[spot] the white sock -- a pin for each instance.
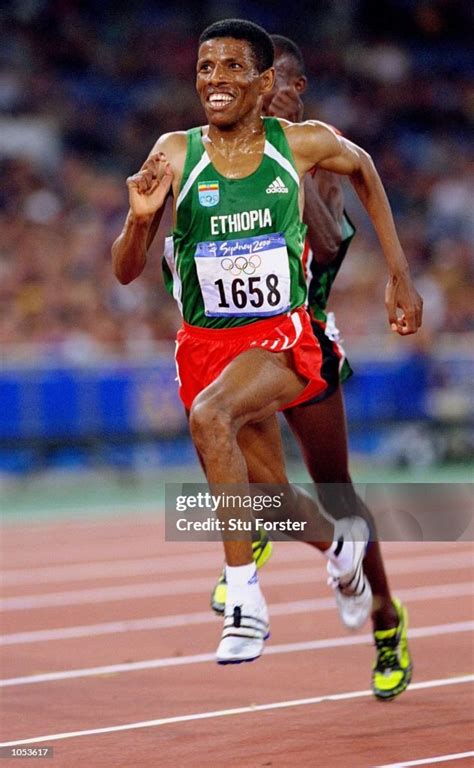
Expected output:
(242, 583)
(239, 575)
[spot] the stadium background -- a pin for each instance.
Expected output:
(87, 375)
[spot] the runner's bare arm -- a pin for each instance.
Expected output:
(315, 143)
(323, 210)
(323, 200)
(148, 191)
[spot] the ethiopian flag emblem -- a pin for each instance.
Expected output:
(208, 193)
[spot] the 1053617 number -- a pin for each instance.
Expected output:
(22, 752)
(249, 292)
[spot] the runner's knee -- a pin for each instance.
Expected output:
(210, 424)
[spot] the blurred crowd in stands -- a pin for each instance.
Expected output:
(87, 87)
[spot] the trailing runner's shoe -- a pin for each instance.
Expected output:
(352, 589)
(393, 668)
(245, 630)
(261, 550)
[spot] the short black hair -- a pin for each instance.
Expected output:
(240, 29)
(285, 45)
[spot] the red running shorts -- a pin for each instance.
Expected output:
(203, 353)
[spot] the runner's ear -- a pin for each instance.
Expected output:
(301, 83)
(267, 80)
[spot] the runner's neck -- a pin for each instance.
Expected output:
(238, 153)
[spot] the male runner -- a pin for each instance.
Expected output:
(320, 425)
(246, 348)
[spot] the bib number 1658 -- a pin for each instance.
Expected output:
(249, 292)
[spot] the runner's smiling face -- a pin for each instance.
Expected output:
(228, 81)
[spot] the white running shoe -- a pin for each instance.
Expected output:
(246, 627)
(352, 590)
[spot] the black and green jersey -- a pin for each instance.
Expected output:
(237, 243)
(321, 276)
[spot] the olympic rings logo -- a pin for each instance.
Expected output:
(241, 264)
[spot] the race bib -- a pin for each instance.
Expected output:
(244, 278)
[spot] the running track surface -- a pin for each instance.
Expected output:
(104, 625)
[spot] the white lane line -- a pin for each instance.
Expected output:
(236, 711)
(73, 560)
(433, 592)
(436, 563)
(430, 760)
(160, 564)
(86, 570)
(178, 661)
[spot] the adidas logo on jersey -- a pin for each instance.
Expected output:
(277, 186)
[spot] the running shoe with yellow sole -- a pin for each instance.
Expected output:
(262, 550)
(393, 667)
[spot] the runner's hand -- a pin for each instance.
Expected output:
(401, 294)
(148, 189)
(287, 104)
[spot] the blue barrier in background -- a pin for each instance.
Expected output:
(120, 399)
(393, 390)
(75, 402)
(124, 412)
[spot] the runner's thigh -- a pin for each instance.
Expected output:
(321, 430)
(254, 385)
